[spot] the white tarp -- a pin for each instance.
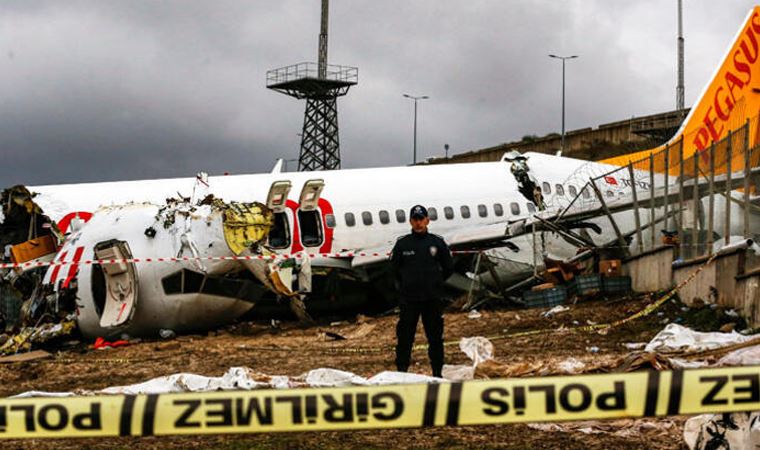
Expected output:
(723, 431)
(677, 338)
(478, 349)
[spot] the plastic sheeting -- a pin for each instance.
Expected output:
(676, 338)
(723, 431)
(478, 349)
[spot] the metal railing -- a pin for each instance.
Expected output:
(664, 191)
(303, 70)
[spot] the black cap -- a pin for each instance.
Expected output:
(418, 212)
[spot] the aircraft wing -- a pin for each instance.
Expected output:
(470, 238)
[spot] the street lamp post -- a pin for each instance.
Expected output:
(415, 98)
(563, 58)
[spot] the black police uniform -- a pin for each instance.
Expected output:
(421, 263)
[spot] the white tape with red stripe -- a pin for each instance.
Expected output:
(76, 261)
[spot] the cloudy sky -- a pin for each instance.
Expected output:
(125, 89)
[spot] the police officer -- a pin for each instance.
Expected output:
(421, 262)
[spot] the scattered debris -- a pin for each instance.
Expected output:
(23, 340)
(676, 338)
(102, 344)
(166, 333)
(28, 356)
(723, 431)
(556, 310)
(622, 427)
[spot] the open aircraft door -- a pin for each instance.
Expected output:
(120, 283)
(309, 219)
(279, 234)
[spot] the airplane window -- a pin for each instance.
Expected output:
(465, 211)
(586, 193)
(400, 216)
(448, 212)
(311, 228)
(560, 189)
(279, 234)
(432, 213)
(573, 191)
(498, 209)
(546, 187)
(330, 220)
(350, 219)
(385, 218)
(531, 207)
(482, 211)
(367, 218)
(515, 208)
(188, 281)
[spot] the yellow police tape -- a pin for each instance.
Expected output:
(581, 397)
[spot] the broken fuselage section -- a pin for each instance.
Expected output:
(200, 266)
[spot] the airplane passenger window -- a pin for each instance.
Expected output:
(531, 207)
(385, 218)
(367, 218)
(400, 216)
(432, 213)
(350, 219)
(279, 234)
(515, 208)
(330, 220)
(560, 189)
(482, 211)
(465, 211)
(586, 193)
(498, 209)
(448, 212)
(573, 191)
(546, 187)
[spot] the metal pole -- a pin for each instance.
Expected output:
(667, 182)
(562, 142)
(415, 132)
(729, 156)
(746, 180)
(562, 138)
(322, 64)
(415, 98)
(651, 200)
(619, 235)
(711, 193)
(695, 223)
(680, 87)
(679, 225)
(636, 208)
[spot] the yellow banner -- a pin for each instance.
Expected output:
(582, 397)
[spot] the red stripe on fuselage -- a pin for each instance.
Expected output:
(64, 223)
(74, 267)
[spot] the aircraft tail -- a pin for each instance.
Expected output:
(726, 104)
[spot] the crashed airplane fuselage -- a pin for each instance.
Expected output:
(348, 220)
(345, 221)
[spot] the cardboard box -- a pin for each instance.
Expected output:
(542, 287)
(33, 249)
(610, 268)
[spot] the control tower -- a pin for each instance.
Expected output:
(320, 85)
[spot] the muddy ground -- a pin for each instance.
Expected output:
(290, 349)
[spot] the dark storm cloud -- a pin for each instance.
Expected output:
(105, 90)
